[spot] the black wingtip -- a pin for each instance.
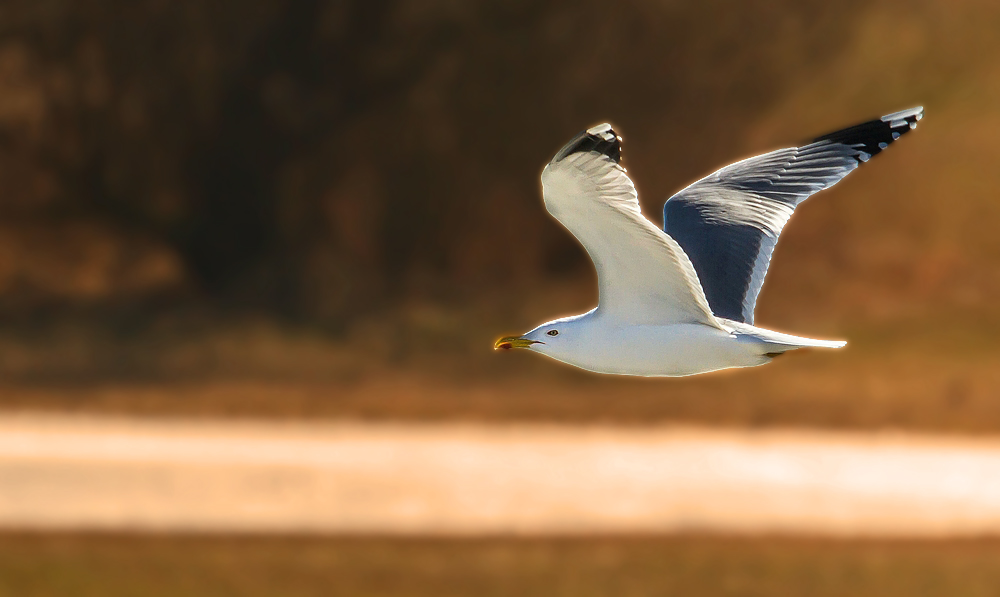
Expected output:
(600, 139)
(870, 138)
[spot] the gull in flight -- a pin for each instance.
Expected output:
(680, 301)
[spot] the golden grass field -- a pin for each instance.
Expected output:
(912, 375)
(113, 565)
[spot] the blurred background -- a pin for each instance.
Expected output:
(328, 210)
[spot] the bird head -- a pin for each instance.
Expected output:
(547, 338)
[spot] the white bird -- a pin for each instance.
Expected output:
(680, 301)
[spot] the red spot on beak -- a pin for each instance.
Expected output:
(504, 346)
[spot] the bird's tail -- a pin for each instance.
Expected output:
(773, 343)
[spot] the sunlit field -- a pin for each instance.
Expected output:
(112, 565)
(921, 376)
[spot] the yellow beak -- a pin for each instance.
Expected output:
(508, 342)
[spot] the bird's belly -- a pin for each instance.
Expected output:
(668, 350)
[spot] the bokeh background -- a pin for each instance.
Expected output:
(330, 209)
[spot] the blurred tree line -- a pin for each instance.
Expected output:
(310, 158)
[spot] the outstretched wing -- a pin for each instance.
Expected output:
(728, 223)
(643, 275)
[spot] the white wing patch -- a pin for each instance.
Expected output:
(644, 277)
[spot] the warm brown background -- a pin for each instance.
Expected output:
(332, 208)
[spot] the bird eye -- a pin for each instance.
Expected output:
(552, 333)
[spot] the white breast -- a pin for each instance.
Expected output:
(603, 346)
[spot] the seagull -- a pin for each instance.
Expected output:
(680, 301)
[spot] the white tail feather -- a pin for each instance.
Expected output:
(776, 342)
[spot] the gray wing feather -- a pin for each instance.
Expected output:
(728, 223)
